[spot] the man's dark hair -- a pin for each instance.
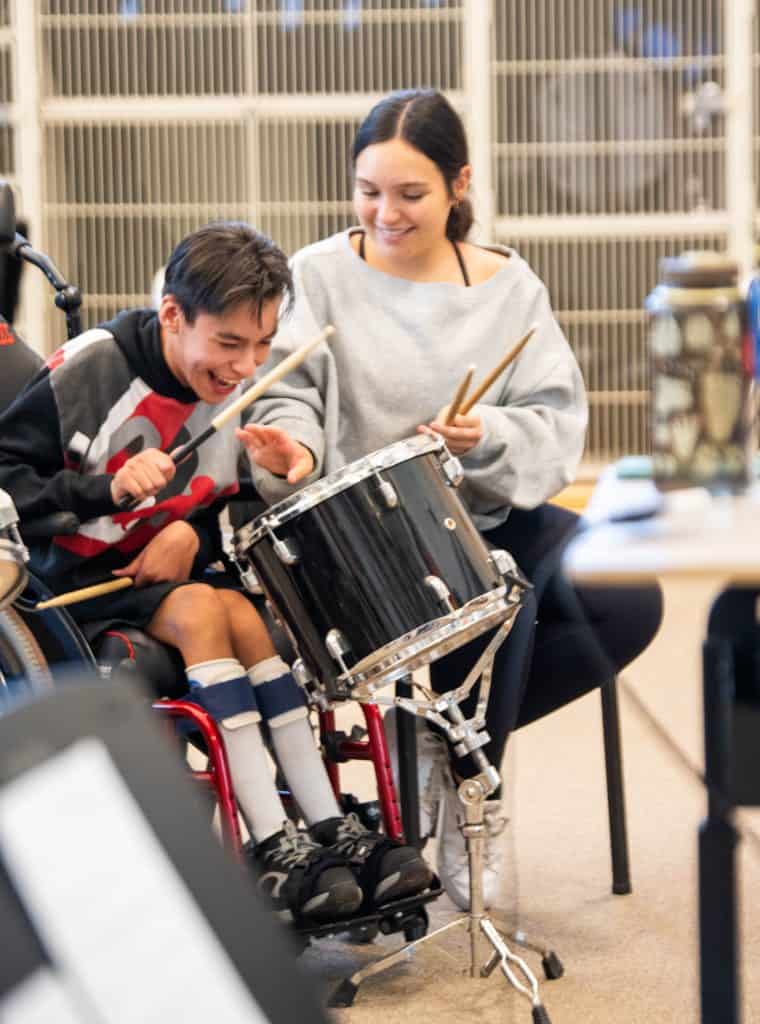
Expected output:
(224, 265)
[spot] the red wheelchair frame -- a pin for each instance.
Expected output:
(217, 774)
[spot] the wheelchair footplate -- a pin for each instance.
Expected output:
(407, 915)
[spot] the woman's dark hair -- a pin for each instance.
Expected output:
(426, 120)
(223, 265)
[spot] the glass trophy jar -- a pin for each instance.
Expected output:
(702, 368)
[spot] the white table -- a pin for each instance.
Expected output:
(695, 536)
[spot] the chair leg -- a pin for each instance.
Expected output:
(409, 796)
(613, 760)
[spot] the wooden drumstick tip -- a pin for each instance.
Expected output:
(85, 593)
(458, 398)
(497, 371)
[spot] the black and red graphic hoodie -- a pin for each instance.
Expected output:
(101, 398)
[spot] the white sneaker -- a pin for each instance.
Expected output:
(453, 867)
(432, 766)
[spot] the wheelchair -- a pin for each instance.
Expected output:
(35, 645)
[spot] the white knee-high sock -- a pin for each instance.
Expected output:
(250, 767)
(283, 706)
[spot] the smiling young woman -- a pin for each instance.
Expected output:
(414, 303)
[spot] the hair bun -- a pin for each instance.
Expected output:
(461, 219)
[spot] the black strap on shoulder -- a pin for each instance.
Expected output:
(460, 258)
(462, 267)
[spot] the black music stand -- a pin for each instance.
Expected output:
(179, 927)
(731, 681)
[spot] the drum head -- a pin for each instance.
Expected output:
(341, 480)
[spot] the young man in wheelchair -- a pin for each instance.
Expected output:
(92, 431)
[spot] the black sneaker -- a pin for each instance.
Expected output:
(303, 879)
(386, 869)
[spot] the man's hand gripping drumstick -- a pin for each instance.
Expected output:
(147, 473)
(150, 471)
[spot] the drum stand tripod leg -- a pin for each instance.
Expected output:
(472, 794)
(550, 962)
(469, 737)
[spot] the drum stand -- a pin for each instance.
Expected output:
(468, 737)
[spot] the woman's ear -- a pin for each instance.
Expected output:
(461, 183)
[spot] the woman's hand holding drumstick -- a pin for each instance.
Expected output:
(459, 424)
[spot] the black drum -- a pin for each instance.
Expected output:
(378, 569)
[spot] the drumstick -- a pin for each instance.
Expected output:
(85, 593)
(249, 395)
(459, 395)
(481, 389)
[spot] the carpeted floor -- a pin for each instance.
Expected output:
(628, 959)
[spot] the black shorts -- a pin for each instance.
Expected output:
(136, 606)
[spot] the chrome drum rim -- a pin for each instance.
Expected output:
(337, 482)
(432, 640)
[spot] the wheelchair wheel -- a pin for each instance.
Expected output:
(23, 668)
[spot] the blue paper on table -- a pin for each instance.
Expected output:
(625, 491)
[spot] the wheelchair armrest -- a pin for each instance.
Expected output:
(158, 664)
(54, 525)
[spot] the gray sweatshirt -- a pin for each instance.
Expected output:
(399, 351)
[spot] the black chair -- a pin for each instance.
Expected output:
(613, 763)
(18, 363)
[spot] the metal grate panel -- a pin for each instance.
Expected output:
(590, 125)
(304, 188)
(355, 47)
(158, 115)
(127, 171)
(229, 47)
(125, 194)
(143, 55)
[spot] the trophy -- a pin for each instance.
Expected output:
(702, 366)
